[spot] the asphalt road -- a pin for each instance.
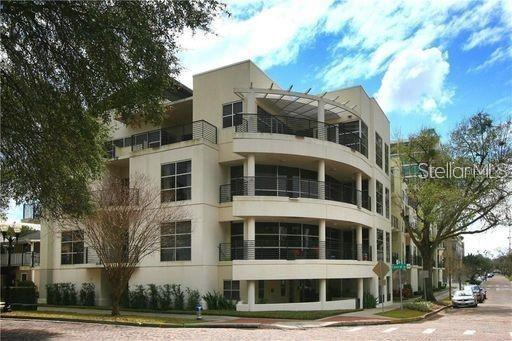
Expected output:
(492, 320)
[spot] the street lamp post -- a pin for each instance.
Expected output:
(11, 242)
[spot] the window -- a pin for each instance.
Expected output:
(388, 247)
(261, 290)
(394, 222)
(176, 181)
(387, 202)
(379, 197)
(23, 277)
(72, 247)
(229, 114)
(380, 244)
(175, 241)
(283, 288)
(386, 158)
(378, 150)
(232, 290)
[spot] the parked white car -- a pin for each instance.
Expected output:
(463, 298)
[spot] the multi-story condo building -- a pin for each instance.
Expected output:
(403, 247)
(287, 195)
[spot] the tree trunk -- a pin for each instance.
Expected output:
(116, 301)
(450, 285)
(427, 267)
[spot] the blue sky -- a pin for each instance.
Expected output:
(428, 63)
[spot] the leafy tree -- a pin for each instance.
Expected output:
(449, 205)
(504, 263)
(477, 264)
(66, 68)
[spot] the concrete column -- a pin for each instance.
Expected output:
(251, 108)
(251, 294)
(249, 237)
(321, 238)
(359, 189)
(322, 130)
(323, 292)
(251, 171)
(360, 291)
(321, 179)
(359, 242)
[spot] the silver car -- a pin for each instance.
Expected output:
(463, 298)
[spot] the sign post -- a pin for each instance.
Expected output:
(381, 269)
(400, 266)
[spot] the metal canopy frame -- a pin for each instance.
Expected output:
(300, 104)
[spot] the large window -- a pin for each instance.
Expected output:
(388, 203)
(176, 182)
(388, 247)
(175, 241)
(378, 150)
(232, 290)
(364, 139)
(229, 114)
(380, 245)
(386, 158)
(380, 198)
(72, 247)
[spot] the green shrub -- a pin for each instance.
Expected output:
(153, 296)
(138, 298)
(178, 297)
(369, 301)
(22, 295)
(193, 298)
(21, 306)
(68, 295)
(165, 297)
(51, 293)
(419, 305)
(216, 301)
(87, 294)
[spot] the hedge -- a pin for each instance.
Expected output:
(23, 295)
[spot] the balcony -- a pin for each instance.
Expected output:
(324, 250)
(20, 259)
(31, 212)
(196, 130)
(283, 186)
(301, 127)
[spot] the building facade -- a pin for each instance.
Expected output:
(287, 195)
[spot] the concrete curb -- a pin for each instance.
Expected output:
(306, 325)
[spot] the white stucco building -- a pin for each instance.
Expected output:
(287, 195)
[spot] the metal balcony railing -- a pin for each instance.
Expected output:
(160, 137)
(301, 127)
(330, 250)
(282, 186)
(30, 258)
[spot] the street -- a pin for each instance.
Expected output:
(492, 320)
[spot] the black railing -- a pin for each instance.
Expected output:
(30, 258)
(330, 250)
(299, 126)
(160, 137)
(282, 186)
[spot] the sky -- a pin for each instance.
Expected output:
(428, 63)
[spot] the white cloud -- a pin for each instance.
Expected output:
(486, 36)
(415, 79)
(501, 54)
(438, 118)
(273, 35)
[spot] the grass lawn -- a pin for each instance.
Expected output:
(402, 314)
(132, 319)
(292, 315)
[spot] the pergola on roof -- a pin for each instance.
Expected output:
(299, 104)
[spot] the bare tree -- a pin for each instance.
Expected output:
(124, 227)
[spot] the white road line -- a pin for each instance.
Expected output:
(389, 330)
(429, 331)
(469, 332)
(355, 329)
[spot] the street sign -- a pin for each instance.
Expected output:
(399, 266)
(408, 266)
(381, 269)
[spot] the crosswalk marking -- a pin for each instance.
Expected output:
(469, 332)
(389, 330)
(355, 329)
(429, 331)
